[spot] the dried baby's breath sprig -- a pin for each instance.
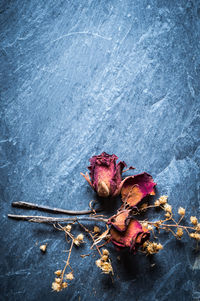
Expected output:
(96, 229)
(193, 220)
(181, 211)
(104, 263)
(179, 232)
(69, 276)
(43, 248)
(195, 236)
(58, 272)
(167, 208)
(152, 247)
(163, 199)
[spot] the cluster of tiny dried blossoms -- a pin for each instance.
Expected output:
(104, 262)
(162, 202)
(152, 247)
(59, 282)
(61, 279)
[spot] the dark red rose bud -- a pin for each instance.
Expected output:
(133, 237)
(105, 174)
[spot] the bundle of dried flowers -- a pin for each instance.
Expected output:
(122, 229)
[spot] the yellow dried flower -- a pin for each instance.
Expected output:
(96, 229)
(157, 203)
(145, 224)
(64, 285)
(145, 244)
(167, 214)
(163, 199)
(57, 280)
(77, 242)
(56, 287)
(179, 232)
(168, 208)
(69, 276)
(104, 257)
(159, 246)
(181, 211)
(197, 228)
(80, 237)
(105, 252)
(43, 248)
(193, 220)
(68, 228)
(195, 236)
(98, 263)
(153, 248)
(106, 268)
(149, 227)
(58, 272)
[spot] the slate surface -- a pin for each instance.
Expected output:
(79, 78)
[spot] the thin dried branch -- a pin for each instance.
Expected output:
(31, 206)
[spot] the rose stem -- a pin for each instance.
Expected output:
(32, 206)
(169, 225)
(46, 219)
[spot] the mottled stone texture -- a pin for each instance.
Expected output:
(79, 78)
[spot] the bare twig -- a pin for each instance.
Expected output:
(31, 206)
(46, 219)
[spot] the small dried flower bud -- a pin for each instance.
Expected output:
(193, 220)
(98, 263)
(57, 280)
(167, 214)
(105, 252)
(68, 228)
(159, 246)
(77, 242)
(179, 232)
(181, 211)
(153, 248)
(43, 248)
(58, 272)
(145, 244)
(197, 228)
(195, 236)
(104, 257)
(69, 276)
(106, 268)
(56, 287)
(163, 199)
(96, 229)
(80, 237)
(157, 203)
(145, 225)
(168, 208)
(64, 285)
(149, 227)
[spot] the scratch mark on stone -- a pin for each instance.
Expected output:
(82, 33)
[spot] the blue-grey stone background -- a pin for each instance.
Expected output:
(79, 78)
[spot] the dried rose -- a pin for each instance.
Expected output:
(133, 237)
(105, 174)
(120, 221)
(135, 188)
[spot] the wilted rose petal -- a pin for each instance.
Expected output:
(120, 220)
(105, 174)
(135, 188)
(133, 237)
